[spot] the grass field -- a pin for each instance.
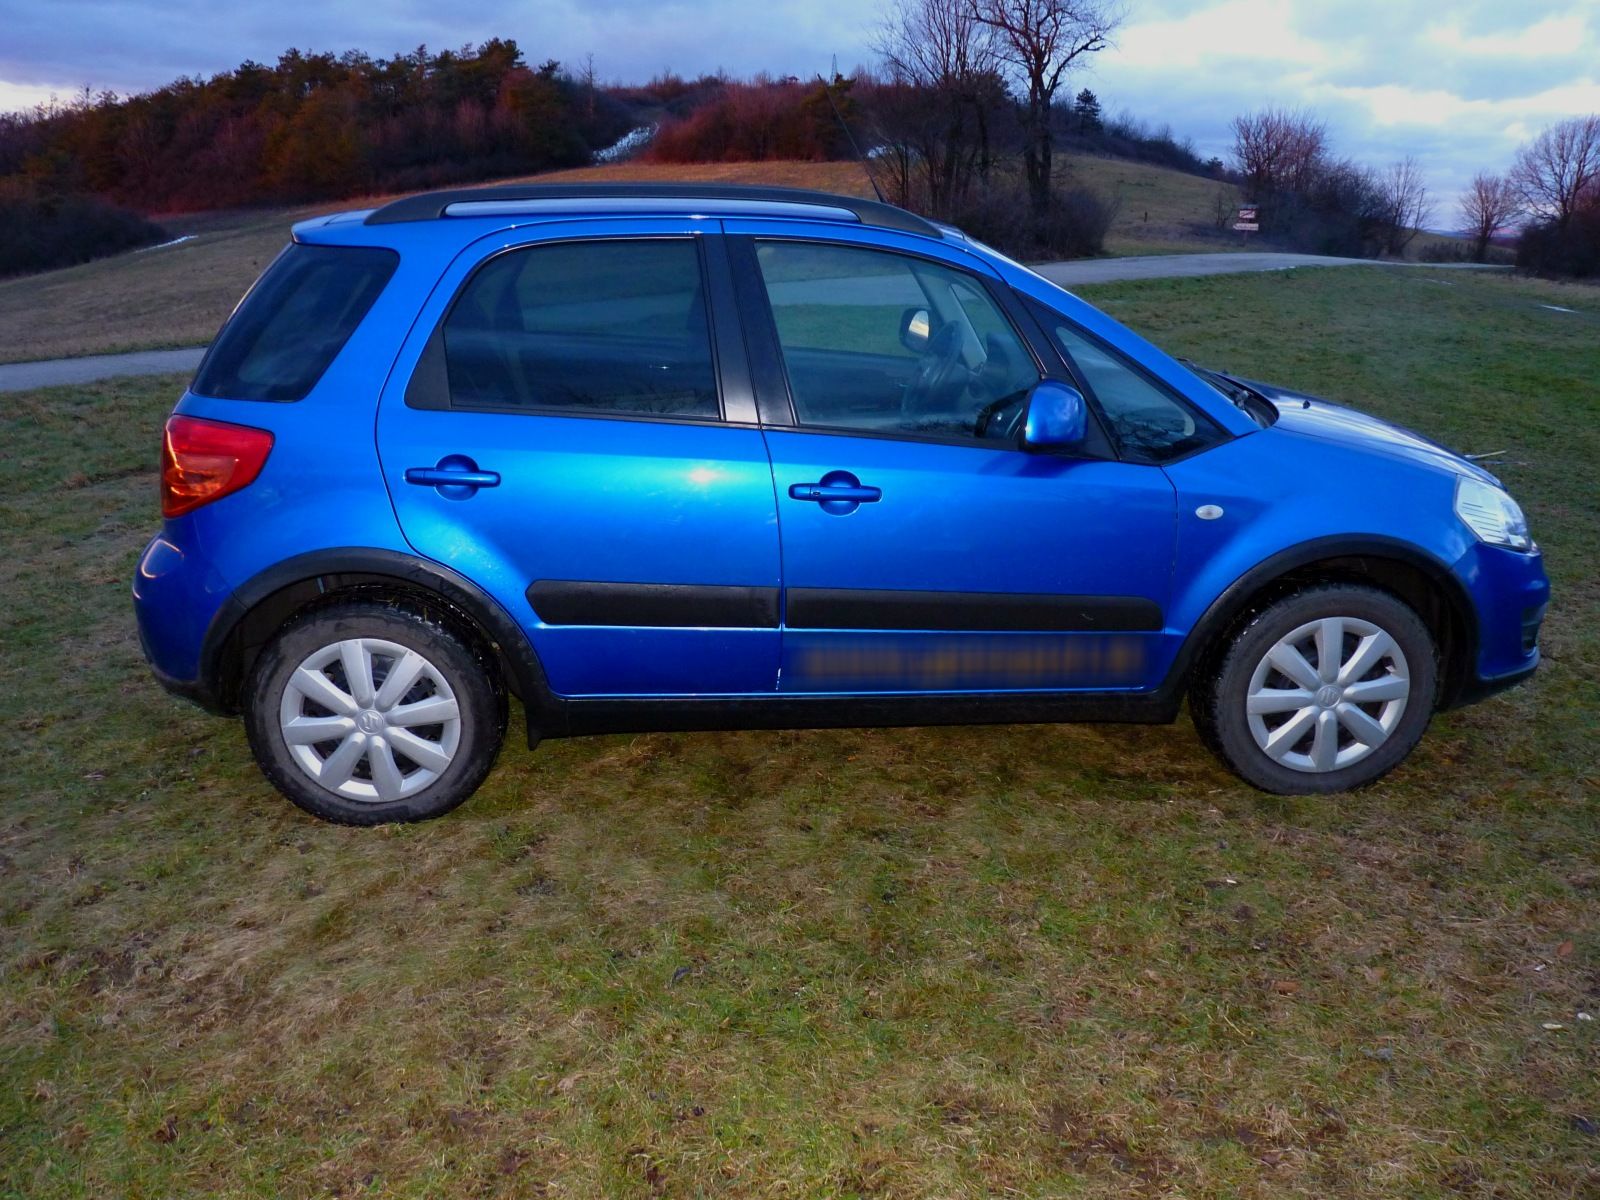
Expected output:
(1035, 961)
(1159, 211)
(178, 295)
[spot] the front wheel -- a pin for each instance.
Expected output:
(1326, 690)
(364, 713)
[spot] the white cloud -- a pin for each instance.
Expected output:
(1460, 84)
(15, 97)
(1395, 104)
(1553, 37)
(1232, 31)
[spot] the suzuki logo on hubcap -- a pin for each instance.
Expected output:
(370, 721)
(1328, 695)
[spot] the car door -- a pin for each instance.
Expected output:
(924, 550)
(570, 426)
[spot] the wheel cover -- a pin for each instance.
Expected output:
(1326, 695)
(370, 720)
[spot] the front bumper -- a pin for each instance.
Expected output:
(1510, 594)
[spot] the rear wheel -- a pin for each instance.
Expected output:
(364, 713)
(1323, 691)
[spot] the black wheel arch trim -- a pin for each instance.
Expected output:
(1456, 675)
(296, 581)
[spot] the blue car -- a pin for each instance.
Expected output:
(685, 457)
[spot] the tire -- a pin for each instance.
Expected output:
(1255, 716)
(382, 761)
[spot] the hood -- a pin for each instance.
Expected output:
(1315, 417)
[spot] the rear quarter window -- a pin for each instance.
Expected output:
(293, 322)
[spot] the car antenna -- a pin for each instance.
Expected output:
(827, 90)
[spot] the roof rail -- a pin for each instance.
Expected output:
(428, 206)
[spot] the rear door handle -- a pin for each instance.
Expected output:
(456, 476)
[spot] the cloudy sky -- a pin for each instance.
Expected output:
(1458, 83)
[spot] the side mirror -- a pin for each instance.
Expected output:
(916, 329)
(1057, 416)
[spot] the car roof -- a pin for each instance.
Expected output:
(617, 199)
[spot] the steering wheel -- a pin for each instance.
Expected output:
(1007, 426)
(940, 375)
(1149, 428)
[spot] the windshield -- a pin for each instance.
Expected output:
(1248, 401)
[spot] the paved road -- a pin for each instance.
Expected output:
(18, 377)
(1174, 266)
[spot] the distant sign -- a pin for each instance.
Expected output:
(1247, 214)
(1249, 219)
(1248, 226)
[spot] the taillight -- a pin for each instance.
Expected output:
(202, 461)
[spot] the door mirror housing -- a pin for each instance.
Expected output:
(916, 330)
(1058, 416)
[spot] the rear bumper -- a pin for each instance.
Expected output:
(193, 690)
(176, 597)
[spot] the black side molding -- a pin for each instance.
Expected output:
(654, 605)
(969, 612)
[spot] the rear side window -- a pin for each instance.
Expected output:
(294, 321)
(616, 327)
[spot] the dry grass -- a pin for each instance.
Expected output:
(966, 962)
(179, 295)
(1160, 211)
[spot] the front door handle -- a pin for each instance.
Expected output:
(839, 492)
(456, 477)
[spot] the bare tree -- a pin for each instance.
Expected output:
(1488, 206)
(1403, 204)
(942, 61)
(590, 91)
(1040, 41)
(1279, 151)
(1553, 173)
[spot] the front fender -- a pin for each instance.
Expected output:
(1288, 502)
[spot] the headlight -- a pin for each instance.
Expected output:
(1491, 514)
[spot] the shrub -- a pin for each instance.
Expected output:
(760, 121)
(1445, 252)
(1074, 227)
(39, 231)
(1126, 136)
(1573, 251)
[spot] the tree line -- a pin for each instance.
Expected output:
(313, 126)
(1311, 199)
(1554, 187)
(1548, 201)
(962, 118)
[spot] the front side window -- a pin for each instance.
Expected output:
(886, 343)
(1148, 422)
(616, 327)
(296, 318)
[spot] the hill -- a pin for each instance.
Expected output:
(178, 295)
